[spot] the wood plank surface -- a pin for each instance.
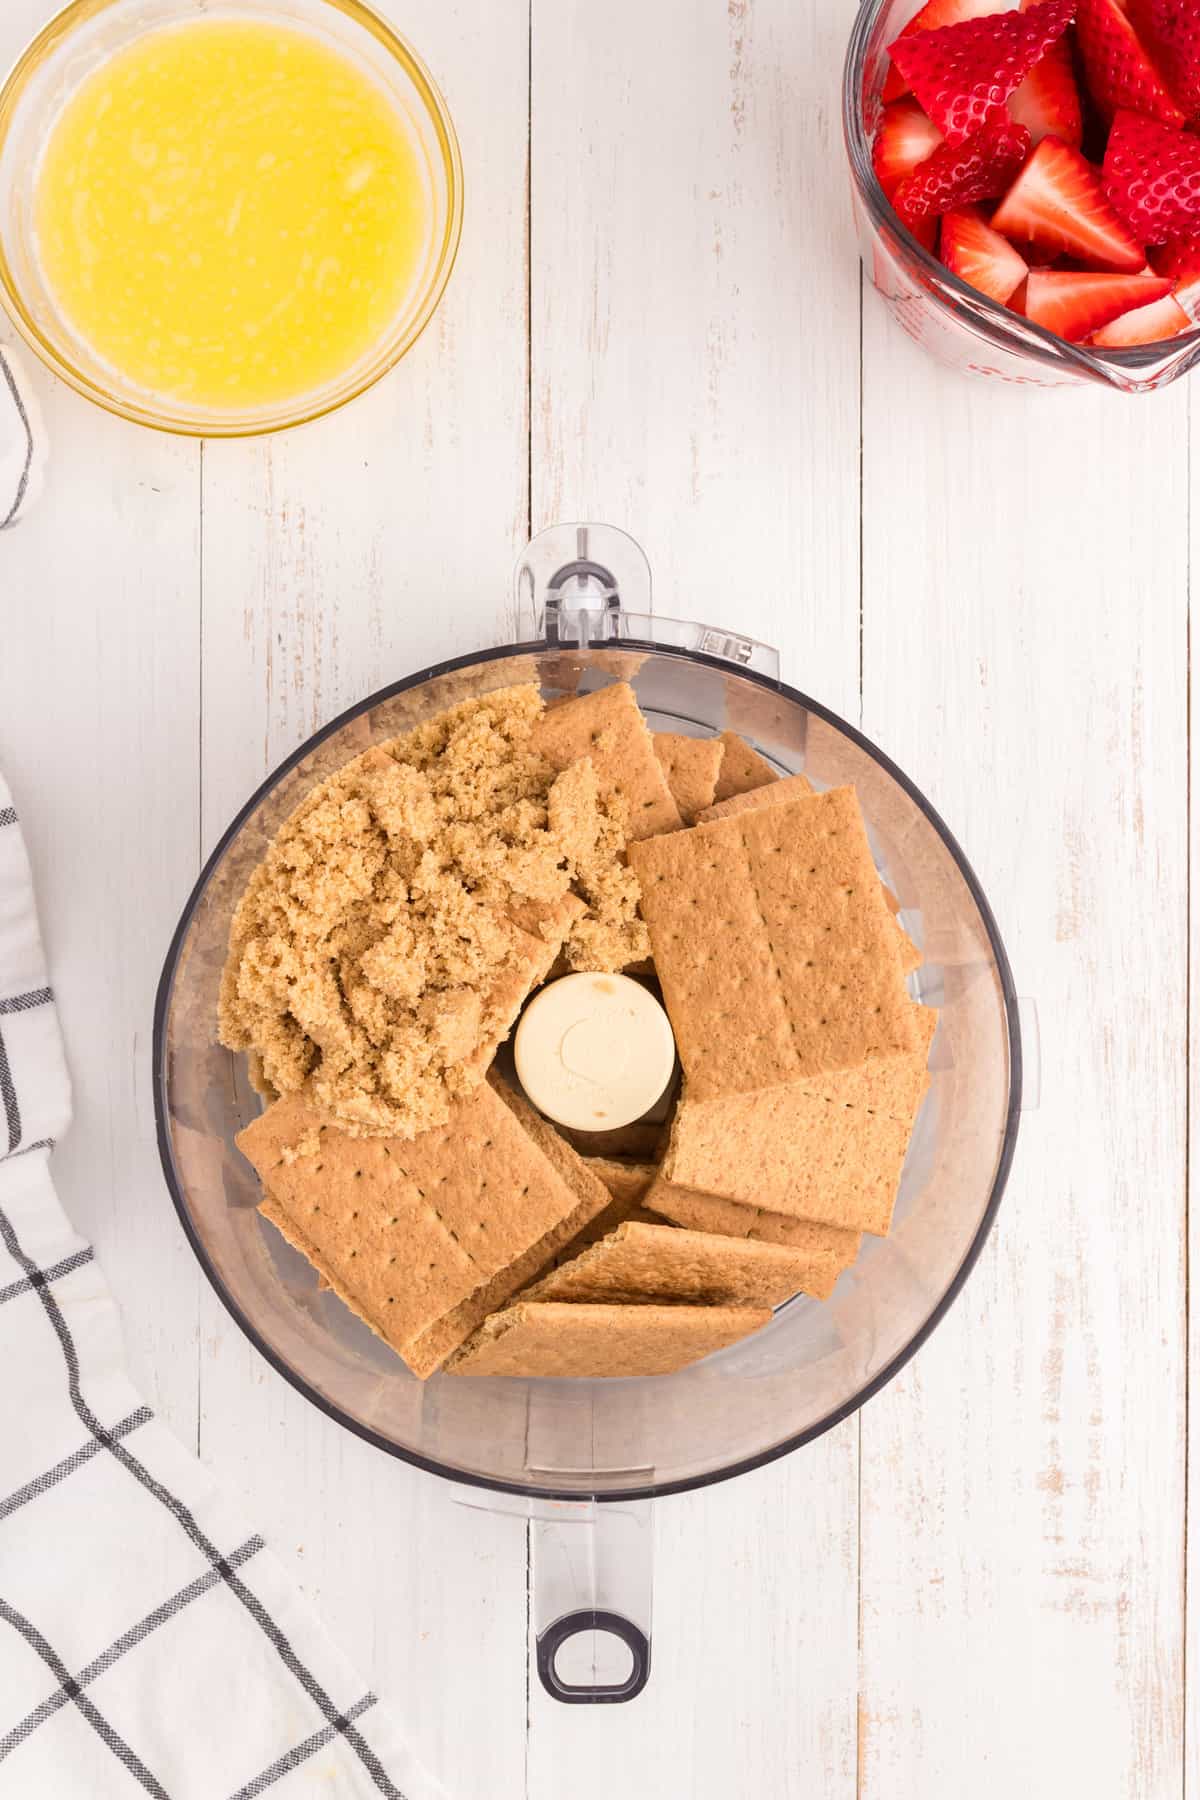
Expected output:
(1023, 1482)
(978, 1585)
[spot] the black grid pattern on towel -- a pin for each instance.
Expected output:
(9, 1007)
(22, 481)
(38, 1284)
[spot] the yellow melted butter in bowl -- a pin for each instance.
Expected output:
(231, 213)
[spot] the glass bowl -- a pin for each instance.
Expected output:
(816, 1361)
(67, 51)
(952, 320)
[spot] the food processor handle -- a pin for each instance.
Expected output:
(590, 584)
(590, 1572)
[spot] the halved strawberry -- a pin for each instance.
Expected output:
(1151, 324)
(958, 174)
(1075, 303)
(1180, 260)
(1119, 69)
(1057, 201)
(1152, 177)
(932, 15)
(906, 136)
(980, 255)
(962, 73)
(1047, 101)
(1171, 29)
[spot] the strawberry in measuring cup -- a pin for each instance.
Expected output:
(1049, 154)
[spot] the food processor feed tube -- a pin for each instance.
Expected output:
(578, 1464)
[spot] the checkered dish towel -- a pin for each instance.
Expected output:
(22, 441)
(149, 1644)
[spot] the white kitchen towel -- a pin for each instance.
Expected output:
(149, 1643)
(22, 441)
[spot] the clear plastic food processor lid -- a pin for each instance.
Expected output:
(817, 1360)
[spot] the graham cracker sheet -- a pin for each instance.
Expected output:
(824, 1250)
(584, 1182)
(776, 953)
(742, 769)
(607, 1202)
(829, 1148)
(608, 728)
(691, 766)
(780, 792)
(657, 1262)
(408, 1230)
(557, 1340)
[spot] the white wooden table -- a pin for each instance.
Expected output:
(976, 1586)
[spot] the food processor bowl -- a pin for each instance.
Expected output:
(559, 1445)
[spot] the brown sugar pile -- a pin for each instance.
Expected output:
(385, 944)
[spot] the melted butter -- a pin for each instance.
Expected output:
(230, 213)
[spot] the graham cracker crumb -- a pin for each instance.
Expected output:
(384, 944)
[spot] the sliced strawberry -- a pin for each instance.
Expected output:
(980, 255)
(1152, 177)
(1171, 29)
(1151, 324)
(1074, 303)
(962, 73)
(1180, 260)
(1047, 101)
(959, 174)
(1057, 201)
(906, 136)
(1118, 67)
(932, 15)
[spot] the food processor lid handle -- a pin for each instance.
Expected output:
(590, 584)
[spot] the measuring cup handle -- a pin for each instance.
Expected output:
(591, 1570)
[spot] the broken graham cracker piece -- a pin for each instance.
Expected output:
(780, 792)
(830, 1148)
(910, 957)
(824, 1250)
(742, 769)
(607, 727)
(629, 1181)
(410, 1231)
(657, 1262)
(628, 1184)
(548, 1339)
(776, 953)
(691, 766)
(534, 952)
